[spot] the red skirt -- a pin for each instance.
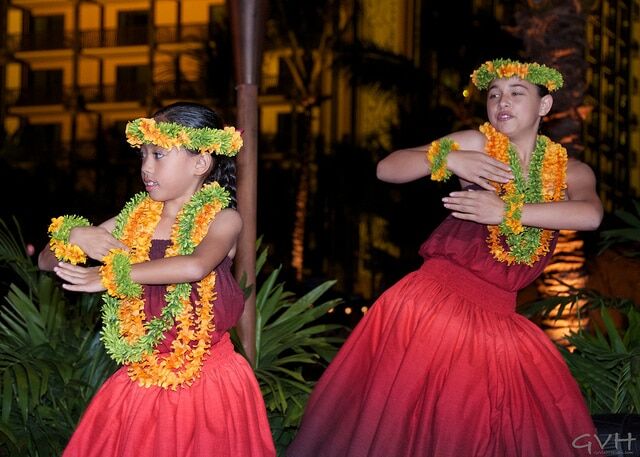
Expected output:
(443, 366)
(221, 414)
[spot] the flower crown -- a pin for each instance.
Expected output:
(533, 72)
(167, 135)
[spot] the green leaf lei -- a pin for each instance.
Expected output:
(117, 347)
(522, 245)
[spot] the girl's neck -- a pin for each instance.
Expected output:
(525, 146)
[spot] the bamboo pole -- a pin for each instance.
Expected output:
(247, 25)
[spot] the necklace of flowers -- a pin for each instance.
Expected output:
(546, 182)
(127, 337)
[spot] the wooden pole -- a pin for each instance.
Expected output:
(247, 25)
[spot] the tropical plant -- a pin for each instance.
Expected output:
(605, 356)
(51, 357)
(52, 360)
(289, 337)
(629, 235)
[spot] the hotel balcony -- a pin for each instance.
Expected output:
(109, 38)
(98, 94)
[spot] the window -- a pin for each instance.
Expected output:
(133, 28)
(131, 82)
(44, 87)
(46, 32)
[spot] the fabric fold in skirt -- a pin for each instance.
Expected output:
(221, 414)
(436, 370)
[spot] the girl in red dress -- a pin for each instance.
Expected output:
(170, 300)
(442, 365)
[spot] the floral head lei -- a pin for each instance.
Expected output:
(533, 72)
(226, 141)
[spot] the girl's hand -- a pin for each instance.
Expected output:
(478, 168)
(96, 242)
(79, 279)
(480, 206)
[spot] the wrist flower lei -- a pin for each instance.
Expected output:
(437, 157)
(533, 72)
(226, 141)
(128, 336)
(60, 230)
(545, 183)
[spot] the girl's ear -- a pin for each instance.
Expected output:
(546, 103)
(203, 164)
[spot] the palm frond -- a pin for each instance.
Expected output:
(51, 359)
(289, 336)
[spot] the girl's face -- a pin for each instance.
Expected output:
(168, 174)
(514, 106)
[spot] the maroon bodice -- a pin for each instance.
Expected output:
(465, 244)
(227, 307)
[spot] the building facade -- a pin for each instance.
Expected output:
(74, 72)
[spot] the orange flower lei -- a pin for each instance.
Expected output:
(437, 157)
(546, 183)
(59, 231)
(226, 141)
(126, 333)
(533, 72)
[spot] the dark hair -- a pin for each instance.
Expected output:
(195, 115)
(542, 90)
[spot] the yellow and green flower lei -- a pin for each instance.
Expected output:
(59, 231)
(533, 72)
(437, 156)
(226, 141)
(546, 182)
(127, 336)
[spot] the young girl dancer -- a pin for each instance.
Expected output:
(170, 300)
(442, 365)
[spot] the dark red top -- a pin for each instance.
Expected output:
(227, 308)
(465, 244)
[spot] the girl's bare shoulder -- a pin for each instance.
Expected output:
(471, 140)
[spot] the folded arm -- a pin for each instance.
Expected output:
(219, 242)
(470, 163)
(581, 211)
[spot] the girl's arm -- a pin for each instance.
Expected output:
(581, 211)
(219, 243)
(469, 163)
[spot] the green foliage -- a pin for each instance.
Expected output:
(605, 359)
(51, 358)
(626, 235)
(607, 364)
(290, 336)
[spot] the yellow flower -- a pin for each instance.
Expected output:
(56, 224)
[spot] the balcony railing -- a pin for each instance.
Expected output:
(32, 97)
(39, 41)
(107, 38)
(105, 93)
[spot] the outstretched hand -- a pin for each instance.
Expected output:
(96, 242)
(79, 279)
(482, 206)
(478, 168)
